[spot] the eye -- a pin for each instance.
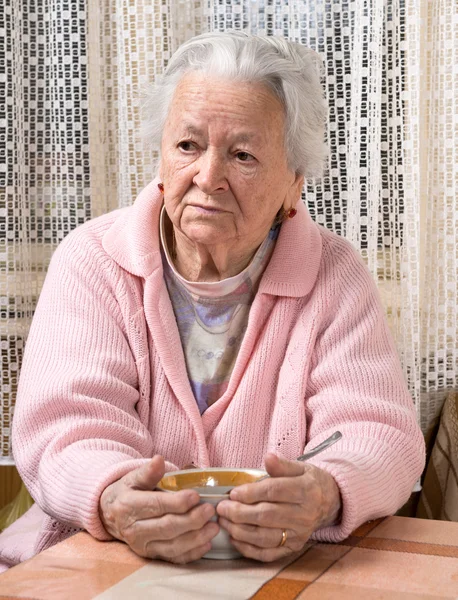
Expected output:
(244, 156)
(186, 146)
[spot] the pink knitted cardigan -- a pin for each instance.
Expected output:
(104, 384)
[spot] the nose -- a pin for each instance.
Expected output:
(211, 173)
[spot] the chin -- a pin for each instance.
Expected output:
(207, 233)
(210, 240)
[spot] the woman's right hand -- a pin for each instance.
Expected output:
(172, 527)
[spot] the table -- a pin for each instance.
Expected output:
(387, 559)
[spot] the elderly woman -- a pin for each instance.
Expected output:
(213, 323)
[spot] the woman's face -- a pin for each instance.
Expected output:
(223, 162)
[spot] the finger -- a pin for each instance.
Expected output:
(147, 476)
(261, 537)
(171, 526)
(280, 467)
(265, 514)
(192, 555)
(261, 554)
(150, 505)
(292, 490)
(183, 544)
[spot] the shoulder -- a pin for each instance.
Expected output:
(91, 232)
(81, 252)
(341, 263)
(337, 250)
(344, 284)
(88, 237)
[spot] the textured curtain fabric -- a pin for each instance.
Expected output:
(44, 163)
(71, 81)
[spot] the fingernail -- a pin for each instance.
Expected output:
(214, 530)
(193, 497)
(209, 510)
(222, 506)
(234, 495)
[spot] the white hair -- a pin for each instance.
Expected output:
(290, 71)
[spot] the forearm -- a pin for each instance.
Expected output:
(66, 476)
(374, 476)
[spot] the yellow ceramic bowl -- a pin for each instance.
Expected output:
(212, 485)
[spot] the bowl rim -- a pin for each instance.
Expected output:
(254, 471)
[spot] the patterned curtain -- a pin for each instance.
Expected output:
(72, 75)
(44, 163)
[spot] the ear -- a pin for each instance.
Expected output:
(294, 193)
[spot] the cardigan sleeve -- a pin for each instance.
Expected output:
(76, 429)
(356, 385)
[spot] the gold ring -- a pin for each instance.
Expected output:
(284, 536)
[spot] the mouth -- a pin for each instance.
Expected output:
(210, 210)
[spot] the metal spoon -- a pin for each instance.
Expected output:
(332, 439)
(226, 489)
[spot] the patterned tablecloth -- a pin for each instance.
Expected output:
(393, 558)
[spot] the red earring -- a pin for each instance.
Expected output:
(291, 213)
(161, 187)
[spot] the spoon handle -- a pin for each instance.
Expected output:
(328, 442)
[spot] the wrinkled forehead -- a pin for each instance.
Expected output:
(201, 98)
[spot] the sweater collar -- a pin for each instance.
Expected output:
(133, 242)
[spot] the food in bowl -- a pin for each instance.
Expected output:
(208, 481)
(212, 485)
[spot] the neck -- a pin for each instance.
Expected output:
(197, 262)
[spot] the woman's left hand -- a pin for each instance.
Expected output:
(298, 498)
